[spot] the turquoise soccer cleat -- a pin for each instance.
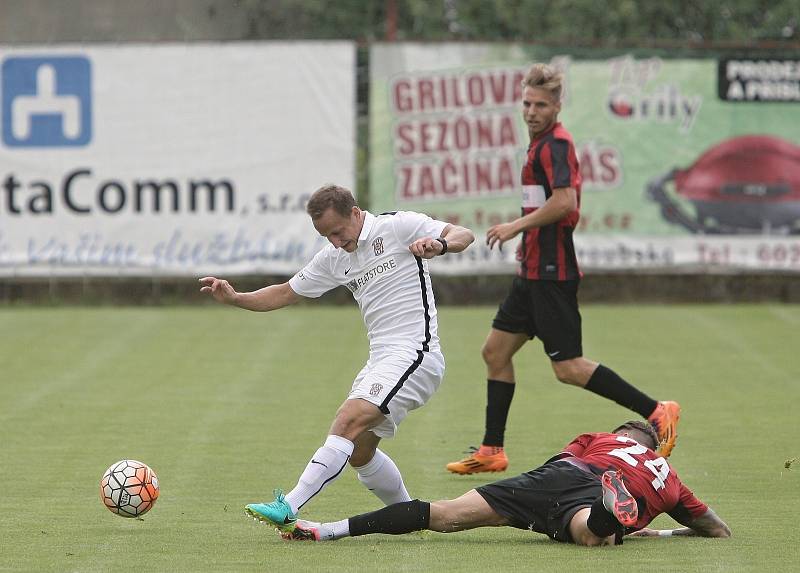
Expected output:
(276, 513)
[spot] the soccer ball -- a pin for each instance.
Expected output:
(129, 488)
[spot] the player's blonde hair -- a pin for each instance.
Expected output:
(546, 77)
(330, 196)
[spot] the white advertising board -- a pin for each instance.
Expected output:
(179, 159)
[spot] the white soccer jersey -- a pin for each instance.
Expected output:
(391, 286)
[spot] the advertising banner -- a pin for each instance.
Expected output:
(687, 164)
(147, 160)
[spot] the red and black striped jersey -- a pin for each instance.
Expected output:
(548, 252)
(648, 476)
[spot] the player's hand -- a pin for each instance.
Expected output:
(499, 234)
(220, 289)
(425, 248)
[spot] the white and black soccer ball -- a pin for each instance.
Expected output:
(129, 488)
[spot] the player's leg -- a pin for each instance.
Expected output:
(603, 523)
(558, 324)
(605, 382)
(377, 471)
(583, 535)
(384, 391)
(497, 352)
(511, 329)
(466, 512)
(353, 418)
(395, 383)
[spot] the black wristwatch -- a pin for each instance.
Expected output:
(443, 241)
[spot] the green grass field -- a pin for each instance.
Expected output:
(225, 405)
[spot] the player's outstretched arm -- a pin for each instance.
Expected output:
(457, 239)
(707, 525)
(268, 298)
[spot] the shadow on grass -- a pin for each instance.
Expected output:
(515, 538)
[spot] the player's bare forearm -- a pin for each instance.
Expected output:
(265, 299)
(458, 238)
(560, 204)
(707, 525)
(647, 532)
(268, 298)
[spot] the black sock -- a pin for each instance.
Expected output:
(601, 522)
(394, 519)
(498, 402)
(608, 384)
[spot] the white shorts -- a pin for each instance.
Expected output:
(398, 381)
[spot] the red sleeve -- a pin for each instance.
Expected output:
(577, 446)
(688, 507)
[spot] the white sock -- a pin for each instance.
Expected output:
(334, 530)
(324, 467)
(382, 478)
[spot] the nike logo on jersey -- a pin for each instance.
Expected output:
(313, 461)
(347, 271)
(383, 268)
(554, 354)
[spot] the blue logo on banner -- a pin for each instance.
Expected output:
(47, 101)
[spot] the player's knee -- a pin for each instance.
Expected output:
(563, 373)
(487, 354)
(570, 372)
(563, 378)
(346, 426)
(493, 356)
(354, 417)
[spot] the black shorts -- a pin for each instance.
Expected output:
(547, 310)
(545, 499)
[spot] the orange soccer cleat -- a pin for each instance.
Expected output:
(483, 459)
(665, 422)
